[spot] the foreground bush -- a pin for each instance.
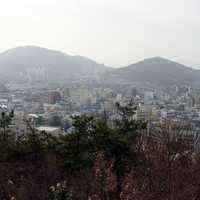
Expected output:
(100, 162)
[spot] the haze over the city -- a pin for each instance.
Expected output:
(113, 32)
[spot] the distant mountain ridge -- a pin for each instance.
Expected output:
(158, 70)
(27, 61)
(32, 63)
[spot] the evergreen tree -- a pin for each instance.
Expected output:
(5, 121)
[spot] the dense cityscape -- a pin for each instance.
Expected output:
(50, 107)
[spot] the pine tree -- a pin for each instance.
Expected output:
(5, 121)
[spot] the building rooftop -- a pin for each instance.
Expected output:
(48, 128)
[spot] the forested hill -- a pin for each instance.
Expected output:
(158, 70)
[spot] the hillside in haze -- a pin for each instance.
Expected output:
(37, 63)
(34, 64)
(158, 70)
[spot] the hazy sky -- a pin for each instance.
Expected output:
(113, 32)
